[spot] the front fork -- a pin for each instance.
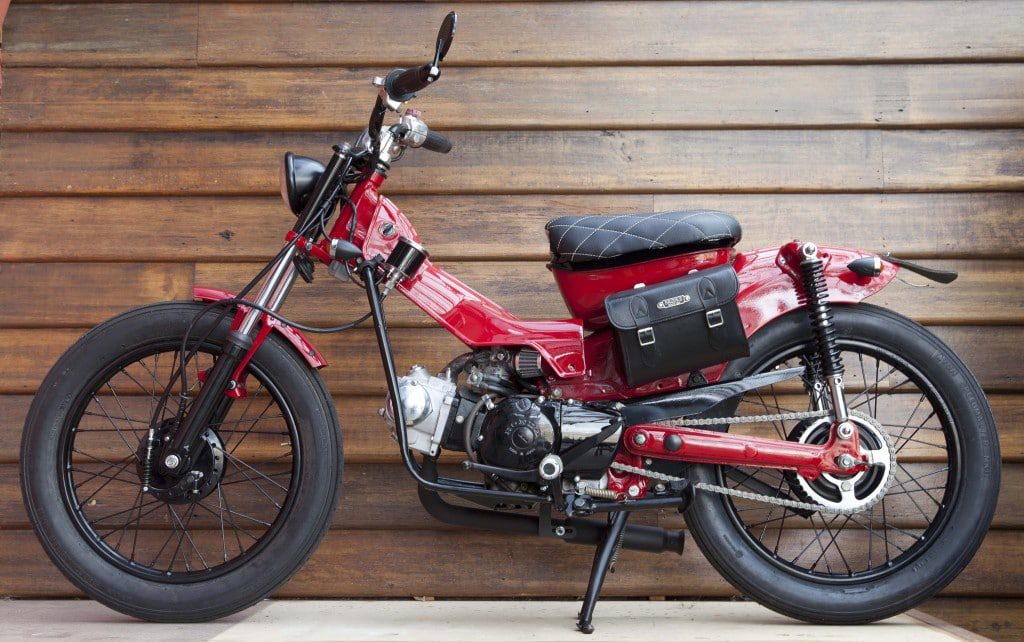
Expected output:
(176, 454)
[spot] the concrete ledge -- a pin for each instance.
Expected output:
(461, 621)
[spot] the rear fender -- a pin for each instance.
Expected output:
(771, 284)
(290, 334)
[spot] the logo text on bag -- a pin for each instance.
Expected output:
(672, 302)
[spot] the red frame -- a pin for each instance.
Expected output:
(585, 367)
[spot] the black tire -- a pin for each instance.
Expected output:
(191, 596)
(913, 576)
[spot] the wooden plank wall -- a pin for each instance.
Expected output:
(139, 152)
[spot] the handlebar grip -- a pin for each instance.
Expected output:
(402, 84)
(437, 143)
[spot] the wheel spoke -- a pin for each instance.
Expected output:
(846, 544)
(115, 426)
(144, 531)
(237, 461)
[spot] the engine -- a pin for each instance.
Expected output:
(497, 418)
(521, 431)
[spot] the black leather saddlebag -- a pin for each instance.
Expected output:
(678, 326)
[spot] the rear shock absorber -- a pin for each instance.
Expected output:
(828, 359)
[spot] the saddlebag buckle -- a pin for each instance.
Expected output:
(714, 318)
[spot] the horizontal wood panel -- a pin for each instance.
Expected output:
(354, 363)
(484, 227)
(512, 33)
(367, 440)
(126, 34)
(533, 162)
(999, 619)
(953, 160)
(462, 564)
(600, 98)
(73, 294)
(156, 163)
(661, 32)
(511, 162)
(376, 496)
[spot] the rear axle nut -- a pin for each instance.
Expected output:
(846, 461)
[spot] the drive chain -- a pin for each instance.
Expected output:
(732, 492)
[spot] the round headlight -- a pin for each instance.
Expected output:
(299, 175)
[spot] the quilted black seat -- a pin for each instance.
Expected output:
(583, 240)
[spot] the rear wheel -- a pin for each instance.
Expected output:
(913, 532)
(252, 507)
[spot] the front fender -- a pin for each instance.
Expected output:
(293, 336)
(770, 284)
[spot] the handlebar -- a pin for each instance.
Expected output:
(402, 84)
(437, 143)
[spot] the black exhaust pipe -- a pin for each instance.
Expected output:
(577, 530)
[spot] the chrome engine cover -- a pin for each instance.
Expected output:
(426, 402)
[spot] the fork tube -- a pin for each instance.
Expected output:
(178, 451)
(272, 293)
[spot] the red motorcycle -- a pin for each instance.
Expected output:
(834, 461)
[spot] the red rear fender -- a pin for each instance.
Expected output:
(770, 282)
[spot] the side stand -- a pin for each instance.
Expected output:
(602, 562)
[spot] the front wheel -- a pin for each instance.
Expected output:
(255, 503)
(893, 553)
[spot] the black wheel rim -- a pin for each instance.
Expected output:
(188, 540)
(830, 548)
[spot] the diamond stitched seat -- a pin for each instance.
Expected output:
(585, 239)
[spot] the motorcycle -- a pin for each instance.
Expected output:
(833, 460)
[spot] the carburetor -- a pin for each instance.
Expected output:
(427, 403)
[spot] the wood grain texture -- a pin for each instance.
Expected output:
(463, 564)
(659, 32)
(953, 160)
(999, 619)
(502, 162)
(973, 225)
(531, 162)
(354, 365)
(514, 33)
(249, 99)
(82, 295)
(126, 34)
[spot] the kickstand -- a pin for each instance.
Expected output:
(603, 559)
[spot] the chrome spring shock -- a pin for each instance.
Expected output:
(812, 268)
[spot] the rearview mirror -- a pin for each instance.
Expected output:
(445, 35)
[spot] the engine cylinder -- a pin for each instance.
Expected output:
(426, 404)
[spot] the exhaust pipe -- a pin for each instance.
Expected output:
(577, 530)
